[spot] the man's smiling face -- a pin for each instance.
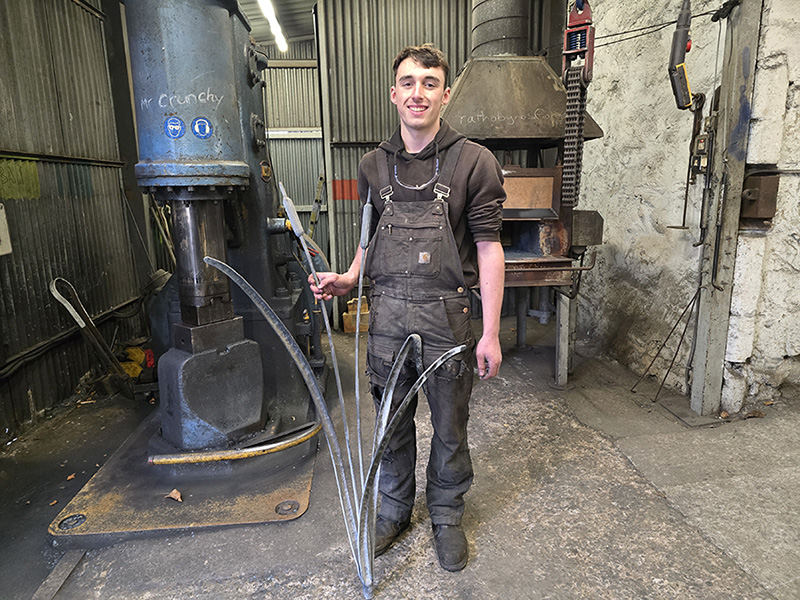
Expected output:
(419, 93)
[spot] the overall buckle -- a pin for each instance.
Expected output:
(441, 191)
(386, 192)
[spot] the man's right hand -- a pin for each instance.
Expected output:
(330, 285)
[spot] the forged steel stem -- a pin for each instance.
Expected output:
(285, 336)
(337, 376)
(366, 524)
(391, 382)
(366, 224)
(297, 228)
(367, 514)
(361, 532)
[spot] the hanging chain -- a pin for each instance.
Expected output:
(573, 137)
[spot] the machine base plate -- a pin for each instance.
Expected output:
(128, 498)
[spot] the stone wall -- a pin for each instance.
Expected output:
(635, 176)
(647, 272)
(763, 350)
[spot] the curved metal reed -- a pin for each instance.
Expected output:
(360, 495)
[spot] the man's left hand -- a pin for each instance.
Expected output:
(489, 356)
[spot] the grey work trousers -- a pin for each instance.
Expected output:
(442, 324)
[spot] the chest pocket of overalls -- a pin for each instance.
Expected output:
(411, 250)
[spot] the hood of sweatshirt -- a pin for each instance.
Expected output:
(445, 137)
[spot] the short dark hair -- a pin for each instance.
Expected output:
(427, 55)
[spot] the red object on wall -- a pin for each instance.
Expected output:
(345, 189)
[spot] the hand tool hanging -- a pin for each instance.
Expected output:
(312, 225)
(119, 378)
(685, 99)
(702, 151)
(681, 44)
(578, 43)
(698, 153)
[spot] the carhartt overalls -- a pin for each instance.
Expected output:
(418, 287)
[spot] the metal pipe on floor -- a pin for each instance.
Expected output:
(187, 458)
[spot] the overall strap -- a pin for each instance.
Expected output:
(442, 187)
(382, 162)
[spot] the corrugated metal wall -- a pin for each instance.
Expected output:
(294, 129)
(298, 163)
(346, 207)
(292, 96)
(60, 185)
(54, 81)
(359, 40)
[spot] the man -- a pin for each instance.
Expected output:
(439, 199)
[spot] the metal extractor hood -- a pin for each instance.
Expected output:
(511, 101)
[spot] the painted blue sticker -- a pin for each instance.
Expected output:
(202, 128)
(174, 128)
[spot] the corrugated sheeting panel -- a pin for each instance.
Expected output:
(34, 391)
(292, 97)
(362, 39)
(87, 111)
(292, 101)
(65, 216)
(54, 92)
(74, 229)
(95, 6)
(28, 98)
(298, 163)
(290, 158)
(346, 205)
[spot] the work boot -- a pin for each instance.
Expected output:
(386, 532)
(451, 546)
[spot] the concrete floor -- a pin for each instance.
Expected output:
(591, 492)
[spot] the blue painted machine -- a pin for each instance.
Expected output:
(198, 94)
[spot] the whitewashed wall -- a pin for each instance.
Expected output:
(647, 272)
(764, 340)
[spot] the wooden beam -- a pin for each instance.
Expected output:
(724, 205)
(562, 339)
